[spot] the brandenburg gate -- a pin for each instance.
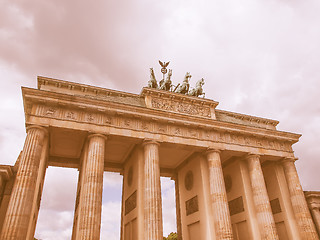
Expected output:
(235, 175)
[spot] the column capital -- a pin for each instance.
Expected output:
(289, 159)
(211, 150)
(43, 128)
(251, 155)
(91, 135)
(150, 141)
(314, 206)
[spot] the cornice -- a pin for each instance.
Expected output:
(99, 92)
(248, 118)
(62, 84)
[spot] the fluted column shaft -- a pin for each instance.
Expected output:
(315, 210)
(178, 213)
(219, 201)
(20, 206)
(299, 203)
(152, 192)
(90, 209)
(261, 200)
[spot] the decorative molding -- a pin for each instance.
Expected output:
(77, 87)
(181, 107)
(169, 128)
(243, 118)
(179, 103)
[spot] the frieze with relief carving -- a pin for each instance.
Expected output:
(154, 126)
(181, 107)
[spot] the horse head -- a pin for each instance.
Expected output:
(200, 83)
(151, 72)
(187, 76)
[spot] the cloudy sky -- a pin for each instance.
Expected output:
(257, 57)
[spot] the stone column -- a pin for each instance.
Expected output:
(91, 194)
(218, 194)
(22, 197)
(178, 212)
(261, 200)
(152, 192)
(315, 211)
(299, 203)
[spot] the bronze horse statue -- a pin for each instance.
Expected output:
(197, 91)
(184, 87)
(152, 83)
(166, 84)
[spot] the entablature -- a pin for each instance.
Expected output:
(51, 108)
(169, 102)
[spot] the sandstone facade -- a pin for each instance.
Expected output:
(235, 174)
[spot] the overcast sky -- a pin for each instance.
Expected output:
(257, 57)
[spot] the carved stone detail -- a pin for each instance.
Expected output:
(275, 206)
(180, 107)
(192, 205)
(50, 111)
(236, 206)
(188, 180)
(169, 128)
(131, 203)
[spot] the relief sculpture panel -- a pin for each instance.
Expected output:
(131, 203)
(192, 205)
(180, 107)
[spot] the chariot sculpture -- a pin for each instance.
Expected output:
(166, 83)
(197, 91)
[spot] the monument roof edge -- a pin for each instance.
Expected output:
(63, 83)
(155, 114)
(246, 116)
